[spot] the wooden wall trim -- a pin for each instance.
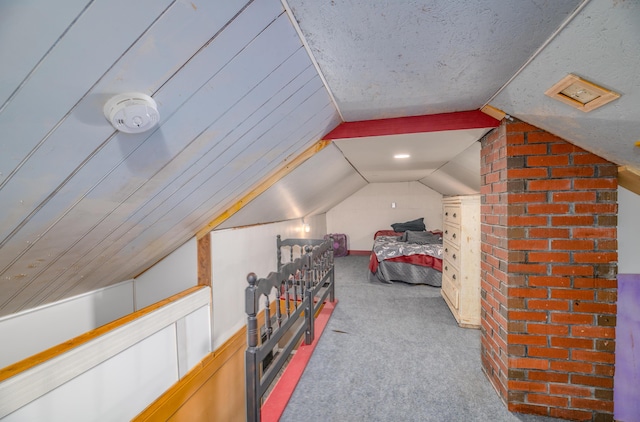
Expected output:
(496, 113)
(629, 179)
(287, 168)
(204, 261)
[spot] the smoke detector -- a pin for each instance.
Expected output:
(132, 112)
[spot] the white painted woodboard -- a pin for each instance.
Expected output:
(56, 374)
(116, 390)
(232, 83)
(38, 329)
(198, 336)
(370, 209)
(175, 273)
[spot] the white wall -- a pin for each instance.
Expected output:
(61, 321)
(369, 210)
(237, 252)
(628, 232)
(116, 375)
(175, 273)
(57, 322)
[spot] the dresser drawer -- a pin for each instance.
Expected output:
(451, 234)
(452, 214)
(451, 292)
(451, 272)
(451, 255)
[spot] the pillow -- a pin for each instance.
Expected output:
(414, 225)
(421, 238)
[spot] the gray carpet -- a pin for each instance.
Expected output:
(394, 353)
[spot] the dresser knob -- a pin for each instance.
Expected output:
(454, 215)
(454, 256)
(454, 236)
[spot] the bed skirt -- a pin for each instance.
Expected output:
(389, 271)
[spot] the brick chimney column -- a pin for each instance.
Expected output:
(549, 265)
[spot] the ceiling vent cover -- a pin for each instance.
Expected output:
(580, 93)
(132, 112)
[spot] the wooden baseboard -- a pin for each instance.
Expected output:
(360, 253)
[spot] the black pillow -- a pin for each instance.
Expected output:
(413, 225)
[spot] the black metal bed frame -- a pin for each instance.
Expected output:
(301, 286)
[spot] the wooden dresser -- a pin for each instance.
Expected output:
(461, 258)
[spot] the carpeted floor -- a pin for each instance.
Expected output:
(394, 353)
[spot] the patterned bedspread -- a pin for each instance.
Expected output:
(386, 247)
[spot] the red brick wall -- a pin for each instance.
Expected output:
(549, 254)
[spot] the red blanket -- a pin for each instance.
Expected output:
(424, 260)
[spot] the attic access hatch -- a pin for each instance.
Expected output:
(580, 93)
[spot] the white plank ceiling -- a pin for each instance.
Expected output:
(242, 88)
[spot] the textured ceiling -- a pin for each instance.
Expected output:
(602, 45)
(386, 59)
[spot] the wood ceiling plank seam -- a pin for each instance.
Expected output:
(123, 160)
(180, 218)
(20, 109)
(56, 127)
(293, 108)
(70, 176)
(177, 220)
(203, 47)
(43, 27)
(196, 172)
(77, 241)
(56, 190)
(47, 199)
(231, 209)
(190, 212)
(198, 159)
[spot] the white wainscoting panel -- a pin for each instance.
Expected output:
(37, 382)
(61, 321)
(116, 390)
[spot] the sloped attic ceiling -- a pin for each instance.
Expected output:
(84, 206)
(240, 96)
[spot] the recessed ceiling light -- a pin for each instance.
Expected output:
(581, 94)
(401, 156)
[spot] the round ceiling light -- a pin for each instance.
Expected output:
(132, 112)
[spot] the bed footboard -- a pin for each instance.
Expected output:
(291, 298)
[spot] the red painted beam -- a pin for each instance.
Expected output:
(474, 119)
